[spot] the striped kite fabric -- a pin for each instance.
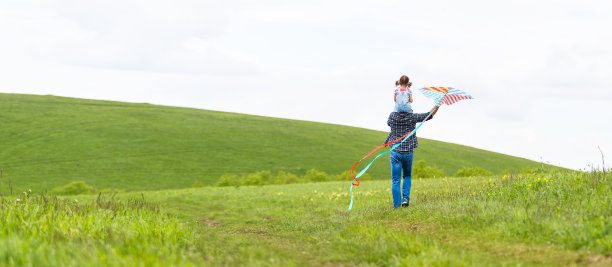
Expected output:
(446, 95)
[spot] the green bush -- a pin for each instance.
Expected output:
(346, 176)
(420, 170)
(532, 171)
(286, 178)
(469, 172)
(74, 188)
(282, 177)
(229, 180)
(198, 184)
(316, 176)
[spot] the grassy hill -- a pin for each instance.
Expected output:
(48, 141)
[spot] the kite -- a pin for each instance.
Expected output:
(446, 95)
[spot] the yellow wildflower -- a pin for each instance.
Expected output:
(538, 179)
(529, 184)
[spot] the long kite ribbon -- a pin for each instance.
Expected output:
(405, 137)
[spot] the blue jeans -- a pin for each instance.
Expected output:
(401, 162)
(403, 107)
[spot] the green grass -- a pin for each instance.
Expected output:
(50, 141)
(41, 231)
(463, 221)
(555, 218)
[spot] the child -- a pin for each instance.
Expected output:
(403, 95)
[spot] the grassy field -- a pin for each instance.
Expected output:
(49, 141)
(551, 217)
(555, 218)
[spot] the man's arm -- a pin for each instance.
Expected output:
(419, 117)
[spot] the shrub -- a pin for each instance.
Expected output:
(315, 176)
(228, 180)
(198, 184)
(257, 178)
(468, 172)
(267, 177)
(346, 176)
(532, 170)
(420, 170)
(74, 188)
(286, 178)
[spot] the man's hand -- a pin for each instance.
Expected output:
(434, 110)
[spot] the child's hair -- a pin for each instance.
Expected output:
(404, 80)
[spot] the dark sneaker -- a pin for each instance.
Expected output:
(405, 203)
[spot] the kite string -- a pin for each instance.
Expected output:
(355, 178)
(405, 137)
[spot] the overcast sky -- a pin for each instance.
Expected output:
(541, 71)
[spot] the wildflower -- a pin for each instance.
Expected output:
(505, 177)
(545, 180)
(538, 179)
(30, 190)
(529, 184)
(18, 200)
(489, 194)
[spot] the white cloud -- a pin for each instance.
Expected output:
(156, 36)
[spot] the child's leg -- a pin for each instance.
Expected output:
(403, 107)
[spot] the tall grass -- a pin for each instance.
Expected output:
(565, 208)
(45, 231)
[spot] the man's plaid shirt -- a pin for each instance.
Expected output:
(401, 124)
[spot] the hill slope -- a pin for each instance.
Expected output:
(48, 141)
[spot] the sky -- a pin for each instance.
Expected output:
(540, 72)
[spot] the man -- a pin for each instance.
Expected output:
(401, 157)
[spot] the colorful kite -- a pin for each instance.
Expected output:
(446, 95)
